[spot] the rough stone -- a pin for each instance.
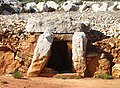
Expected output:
(7, 9)
(91, 65)
(116, 71)
(32, 25)
(69, 6)
(30, 5)
(64, 22)
(36, 25)
(103, 67)
(72, 5)
(79, 42)
(41, 54)
(113, 7)
(95, 7)
(103, 7)
(118, 6)
(42, 7)
(7, 63)
(77, 2)
(83, 7)
(52, 5)
(111, 46)
(27, 46)
(9, 1)
(102, 24)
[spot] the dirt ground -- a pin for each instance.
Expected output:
(42, 82)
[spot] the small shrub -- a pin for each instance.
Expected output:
(105, 76)
(17, 75)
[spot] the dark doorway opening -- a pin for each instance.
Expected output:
(61, 58)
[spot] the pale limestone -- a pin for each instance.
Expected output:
(69, 6)
(79, 42)
(42, 7)
(52, 5)
(95, 7)
(103, 7)
(41, 54)
(83, 7)
(116, 71)
(113, 7)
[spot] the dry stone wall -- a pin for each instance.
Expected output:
(110, 48)
(17, 43)
(102, 24)
(8, 8)
(16, 54)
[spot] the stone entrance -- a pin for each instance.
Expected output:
(61, 57)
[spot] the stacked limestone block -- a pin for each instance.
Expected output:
(111, 48)
(116, 60)
(103, 67)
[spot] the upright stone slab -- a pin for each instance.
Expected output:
(79, 42)
(41, 54)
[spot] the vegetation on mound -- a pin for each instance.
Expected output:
(17, 75)
(104, 76)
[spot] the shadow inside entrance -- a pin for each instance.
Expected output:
(60, 59)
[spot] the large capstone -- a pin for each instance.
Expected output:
(79, 42)
(57, 25)
(41, 54)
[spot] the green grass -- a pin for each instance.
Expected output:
(17, 75)
(105, 76)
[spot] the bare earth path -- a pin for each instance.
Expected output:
(40, 82)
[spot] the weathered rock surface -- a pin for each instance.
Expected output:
(111, 47)
(65, 22)
(42, 7)
(113, 7)
(103, 24)
(104, 7)
(83, 7)
(69, 6)
(95, 7)
(7, 62)
(103, 68)
(7, 9)
(91, 65)
(77, 2)
(52, 6)
(41, 54)
(116, 71)
(79, 42)
(36, 25)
